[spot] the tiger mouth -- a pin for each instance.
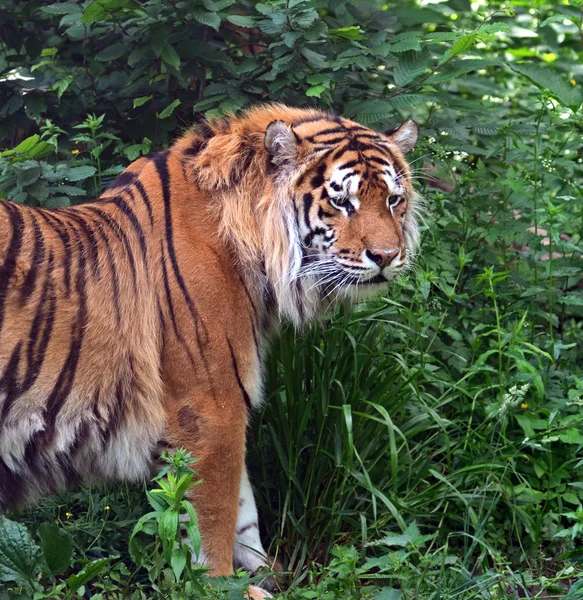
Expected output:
(375, 279)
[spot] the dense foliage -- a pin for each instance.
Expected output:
(427, 444)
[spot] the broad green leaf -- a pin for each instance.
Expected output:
(28, 176)
(315, 90)
(61, 8)
(191, 526)
(141, 101)
(18, 553)
(347, 33)
(410, 66)
(178, 561)
(35, 106)
(80, 173)
(314, 58)
(88, 573)
(169, 109)
(170, 56)
(111, 52)
(389, 594)
(547, 79)
(207, 18)
(94, 12)
(242, 21)
(460, 45)
(571, 300)
(56, 545)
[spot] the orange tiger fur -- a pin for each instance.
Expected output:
(142, 317)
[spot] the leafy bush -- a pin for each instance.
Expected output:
(455, 401)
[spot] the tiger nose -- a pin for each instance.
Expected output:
(382, 258)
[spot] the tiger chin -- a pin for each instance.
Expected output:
(139, 321)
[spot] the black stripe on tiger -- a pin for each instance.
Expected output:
(170, 302)
(14, 247)
(60, 228)
(146, 200)
(64, 383)
(161, 162)
(87, 230)
(9, 382)
(118, 231)
(112, 268)
(36, 262)
(123, 180)
(41, 329)
(133, 219)
(244, 393)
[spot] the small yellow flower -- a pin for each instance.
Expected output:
(106, 508)
(75, 151)
(573, 82)
(68, 515)
(524, 405)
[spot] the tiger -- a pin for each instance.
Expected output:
(140, 321)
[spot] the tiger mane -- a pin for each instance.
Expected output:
(254, 209)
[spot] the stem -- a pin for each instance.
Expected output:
(498, 331)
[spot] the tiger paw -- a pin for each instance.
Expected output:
(256, 593)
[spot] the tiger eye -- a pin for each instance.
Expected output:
(394, 200)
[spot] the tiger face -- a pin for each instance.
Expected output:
(354, 203)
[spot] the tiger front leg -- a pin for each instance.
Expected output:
(214, 433)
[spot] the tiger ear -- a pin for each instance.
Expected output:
(405, 136)
(281, 143)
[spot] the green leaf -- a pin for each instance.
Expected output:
(389, 594)
(169, 109)
(56, 545)
(34, 106)
(547, 79)
(407, 100)
(70, 190)
(373, 111)
(571, 300)
(18, 553)
(316, 59)
(13, 104)
(28, 176)
(94, 12)
(80, 173)
(191, 526)
(461, 45)
(178, 561)
(170, 56)
(61, 8)
(242, 21)
(315, 90)
(556, 19)
(207, 18)
(89, 572)
(347, 33)
(141, 101)
(111, 52)
(168, 527)
(410, 66)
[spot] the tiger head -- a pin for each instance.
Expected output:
(338, 211)
(354, 204)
